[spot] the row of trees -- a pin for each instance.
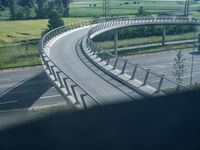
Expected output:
(23, 9)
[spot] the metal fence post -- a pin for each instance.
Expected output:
(48, 67)
(66, 86)
(54, 74)
(108, 61)
(83, 100)
(115, 65)
(134, 72)
(124, 67)
(146, 77)
(160, 84)
(74, 93)
(58, 74)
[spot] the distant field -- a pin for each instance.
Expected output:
(17, 56)
(19, 31)
(145, 40)
(120, 7)
(14, 32)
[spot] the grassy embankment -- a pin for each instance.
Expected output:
(13, 34)
(149, 40)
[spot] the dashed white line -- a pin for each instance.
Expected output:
(18, 92)
(9, 102)
(186, 76)
(52, 96)
(154, 81)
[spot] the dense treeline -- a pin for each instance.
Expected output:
(24, 9)
(146, 31)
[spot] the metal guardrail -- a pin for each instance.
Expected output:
(121, 64)
(70, 88)
(122, 22)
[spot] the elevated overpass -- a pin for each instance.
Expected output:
(84, 74)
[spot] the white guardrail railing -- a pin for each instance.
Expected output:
(128, 72)
(69, 88)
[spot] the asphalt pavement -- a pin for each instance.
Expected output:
(162, 63)
(26, 88)
(63, 53)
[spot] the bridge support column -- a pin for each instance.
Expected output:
(163, 35)
(115, 42)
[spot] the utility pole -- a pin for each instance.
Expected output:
(106, 7)
(187, 7)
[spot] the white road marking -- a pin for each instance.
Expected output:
(4, 79)
(18, 92)
(186, 76)
(159, 66)
(52, 96)
(154, 81)
(9, 102)
(168, 63)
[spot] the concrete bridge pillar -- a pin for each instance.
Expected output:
(115, 42)
(163, 35)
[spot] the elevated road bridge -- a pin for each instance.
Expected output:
(84, 75)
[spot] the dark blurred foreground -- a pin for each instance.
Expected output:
(171, 122)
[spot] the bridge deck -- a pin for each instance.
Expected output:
(63, 52)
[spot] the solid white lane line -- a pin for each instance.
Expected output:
(52, 96)
(9, 102)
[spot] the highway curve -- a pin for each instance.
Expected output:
(63, 53)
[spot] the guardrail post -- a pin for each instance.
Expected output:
(58, 74)
(160, 84)
(115, 65)
(108, 61)
(134, 72)
(124, 67)
(74, 94)
(48, 67)
(83, 100)
(103, 55)
(98, 52)
(66, 86)
(54, 74)
(146, 77)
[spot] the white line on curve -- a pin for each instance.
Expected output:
(9, 102)
(52, 96)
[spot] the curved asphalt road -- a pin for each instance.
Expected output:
(63, 52)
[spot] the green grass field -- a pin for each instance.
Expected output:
(145, 40)
(17, 56)
(19, 31)
(15, 32)
(120, 7)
